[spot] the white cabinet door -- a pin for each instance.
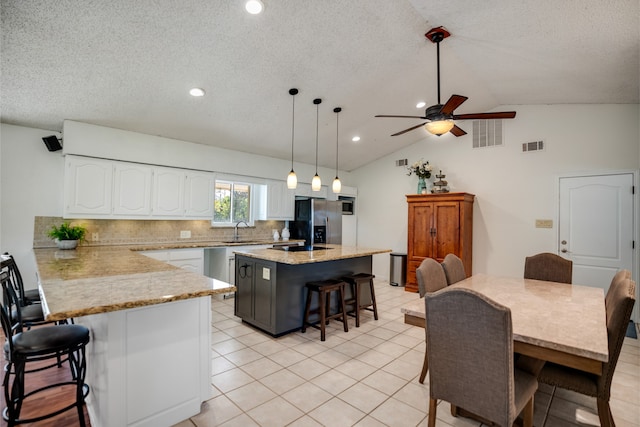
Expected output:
(168, 192)
(88, 186)
(132, 189)
(187, 259)
(280, 201)
(198, 195)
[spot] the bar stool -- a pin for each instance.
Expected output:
(23, 347)
(356, 280)
(324, 288)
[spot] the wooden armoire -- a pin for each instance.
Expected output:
(439, 224)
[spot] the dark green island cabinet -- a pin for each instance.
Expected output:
(270, 283)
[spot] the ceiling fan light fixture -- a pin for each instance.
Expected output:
(439, 127)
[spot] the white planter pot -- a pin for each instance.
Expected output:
(66, 244)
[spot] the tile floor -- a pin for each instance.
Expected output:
(366, 377)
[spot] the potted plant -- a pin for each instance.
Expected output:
(67, 236)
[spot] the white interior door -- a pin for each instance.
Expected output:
(596, 226)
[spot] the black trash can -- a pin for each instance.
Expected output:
(398, 269)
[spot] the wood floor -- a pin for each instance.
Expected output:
(48, 400)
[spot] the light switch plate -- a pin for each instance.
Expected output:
(266, 273)
(544, 223)
(185, 234)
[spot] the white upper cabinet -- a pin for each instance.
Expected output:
(280, 201)
(304, 190)
(132, 186)
(88, 187)
(198, 195)
(98, 188)
(168, 192)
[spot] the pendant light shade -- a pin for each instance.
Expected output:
(316, 183)
(337, 185)
(292, 179)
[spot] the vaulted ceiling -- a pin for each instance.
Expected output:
(130, 64)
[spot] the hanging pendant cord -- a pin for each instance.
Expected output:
(317, 116)
(337, 110)
(293, 124)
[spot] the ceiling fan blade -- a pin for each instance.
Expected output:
(481, 116)
(457, 131)
(406, 117)
(453, 103)
(410, 129)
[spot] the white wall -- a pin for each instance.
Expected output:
(512, 188)
(31, 181)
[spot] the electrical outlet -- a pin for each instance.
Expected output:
(95, 237)
(266, 273)
(185, 234)
(544, 223)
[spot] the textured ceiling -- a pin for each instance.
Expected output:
(129, 64)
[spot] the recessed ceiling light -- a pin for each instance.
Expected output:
(421, 104)
(355, 139)
(196, 91)
(254, 7)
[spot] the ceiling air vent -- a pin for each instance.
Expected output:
(402, 162)
(533, 146)
(487, 133)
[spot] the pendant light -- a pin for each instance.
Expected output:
(316, 183)
(337, 185)
(292, 179)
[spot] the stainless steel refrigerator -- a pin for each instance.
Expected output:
(317, 221)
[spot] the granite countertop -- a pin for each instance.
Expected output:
(210, 244)
(91, 280)
(563, 317)
(332, 253)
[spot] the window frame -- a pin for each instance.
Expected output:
(233, 183)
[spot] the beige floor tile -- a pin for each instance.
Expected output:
(242, 420)
(251, 395)
(356, 369)
(402, 369)
(228, 346)
(415, 395)
(308, 369)
(230, 380)
(282, 381)
(310, 348)
(287, 357)
(220, 364)
(253, 338)
(334, 382)
(215, 412)
(369, 421)
(305, 421)
(331, 358)
(367, 340)
(337, 413)
(363, 397)
(351, 349)
(274, 413)
(244, 356)
(268, 348)
(396, 413)
(375, 358)
(391, 349)
(384, 382)
(307, 396)
(261, 368)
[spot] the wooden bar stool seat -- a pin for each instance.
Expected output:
(356, 281)
(324, 288)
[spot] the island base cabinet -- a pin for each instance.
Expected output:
(149, 366)
(271, 296)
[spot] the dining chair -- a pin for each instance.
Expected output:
(453, 269)
(431, 278)
(619, 304)
(470, 348)
(549, 267)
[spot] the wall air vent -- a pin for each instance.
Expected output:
(487, 133)
(533, 146)
(402, 162)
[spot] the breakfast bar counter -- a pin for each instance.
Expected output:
(149, 359)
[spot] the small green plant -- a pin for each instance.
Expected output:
(68, 232)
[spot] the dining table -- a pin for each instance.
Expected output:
(551, 321)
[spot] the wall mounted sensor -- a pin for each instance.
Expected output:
(52, 142)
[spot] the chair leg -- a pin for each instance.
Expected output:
(433, 404)
(307, 307)
(546, 412)
(425, 367)
(527, 414)
(604, 412)
(323, 315)
(344, 309)
(356, 287)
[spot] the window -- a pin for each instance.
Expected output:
(232, 203)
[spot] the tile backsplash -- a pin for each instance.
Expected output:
(139, 232)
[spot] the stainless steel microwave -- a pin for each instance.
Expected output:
(347, 207)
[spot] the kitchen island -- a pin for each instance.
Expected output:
(271, 282)
(149, 359)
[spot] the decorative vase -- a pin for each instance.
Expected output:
(422, 186)
(285, 234)
(66, 244)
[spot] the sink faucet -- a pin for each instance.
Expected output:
(235, 229)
